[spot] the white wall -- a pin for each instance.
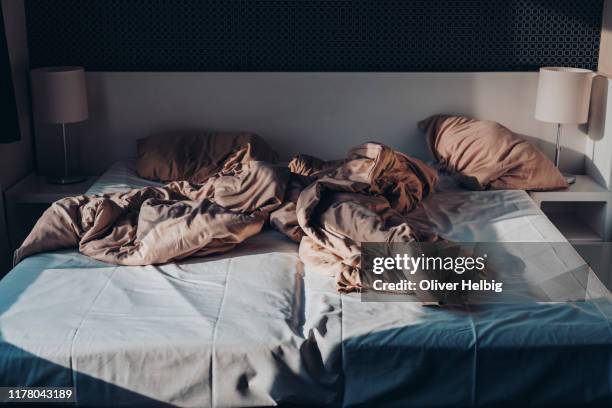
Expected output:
(318, 113)
(599, 145)
(605, 45)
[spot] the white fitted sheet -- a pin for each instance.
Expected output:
(402, 354)
(253, 328)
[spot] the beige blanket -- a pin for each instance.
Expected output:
(361, 199)
(155, 225)
(329, 207)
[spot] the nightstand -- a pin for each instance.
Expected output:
(582, 212)
(28, 199)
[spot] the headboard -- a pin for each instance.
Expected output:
(323, 114)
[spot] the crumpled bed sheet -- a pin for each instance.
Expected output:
(255, 327)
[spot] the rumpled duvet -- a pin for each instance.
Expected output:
(361, 199)
(156, 225)
(329, 207)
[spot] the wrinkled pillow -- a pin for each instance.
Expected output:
(486, 155)
(196, 155)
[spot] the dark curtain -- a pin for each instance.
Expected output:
(9, 122)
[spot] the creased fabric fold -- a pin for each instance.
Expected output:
(329, 207)
(360, 199)
(156, 225)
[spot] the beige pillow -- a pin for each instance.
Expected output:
(486, 155)
(196, 155)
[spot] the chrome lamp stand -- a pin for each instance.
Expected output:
(66, 178)
(569, 178)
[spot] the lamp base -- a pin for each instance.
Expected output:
(569, 178)
(66, 179)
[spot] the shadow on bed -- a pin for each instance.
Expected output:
(29, 370)
(391, 368)
(500, 355)
(483, 356)
(93, 392)
(496, 355)
(20, 368)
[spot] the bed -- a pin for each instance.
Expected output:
(254, 327)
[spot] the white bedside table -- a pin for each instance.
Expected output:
(28, 199)
(583, 212)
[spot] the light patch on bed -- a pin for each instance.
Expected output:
(41, 309)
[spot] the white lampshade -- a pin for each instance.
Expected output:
(563, 95)
(59, 94)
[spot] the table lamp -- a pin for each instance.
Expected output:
(59, 96)
(563, 98)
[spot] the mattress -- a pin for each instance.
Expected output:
(256, 328)
(502, 354)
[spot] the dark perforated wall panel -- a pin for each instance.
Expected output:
(314, 35)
